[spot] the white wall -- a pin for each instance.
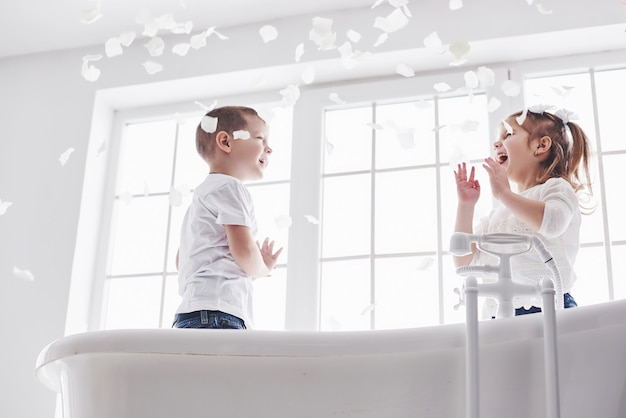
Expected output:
(46, 107)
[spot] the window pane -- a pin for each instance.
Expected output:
(618, 261)
(406, 211)
(171, 300)
(348, 140)
(464, 132)
(191, 169)
(138, 235)
(346, 216)
(133, 302)
(176, 221)
(611, 90)
(406, 292)
(270, 300)
(592, 227)
(408, 137)
(615, 202)
(591, 285)
(346, 295)
(451, 281)
(146, 158)
(280, 139)
(271, 207)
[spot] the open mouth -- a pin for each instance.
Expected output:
(502, 158)
(264, 162)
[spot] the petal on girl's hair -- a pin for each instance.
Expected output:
(455, 4)
(521, 118)
(268, 33)
(312, 219)
(91, 15)
(175, 197)
(4, 206)
(507, 127)
(308, 75)
(127, 38)
(283, 221)
(152, 67)
(493, 104)
(486, 77)
(23, 274)
(543, 10)
(405, 70)
(353, 36)
(113, 47)
(208, 124)
(395, 21)
(459, 49)
(434, 44)
(381, 39)
(539, 108)
(334, 97)
(442, 87)
(299, 51)
(181, 49)
(65, 156)
(511, 88)
(241, 134)
(155, 46)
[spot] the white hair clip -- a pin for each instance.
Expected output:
(538, 109)
(567, 116)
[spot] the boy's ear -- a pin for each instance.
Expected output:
(222, 139)
(543, 145)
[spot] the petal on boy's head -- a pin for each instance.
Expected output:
(241, 134)
(208, 124)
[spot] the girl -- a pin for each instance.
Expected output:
(543, 154)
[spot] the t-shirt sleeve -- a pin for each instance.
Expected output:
(233, 204)
(561, 204)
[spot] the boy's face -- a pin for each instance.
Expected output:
(250, 156)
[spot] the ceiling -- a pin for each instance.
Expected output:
(32, 26)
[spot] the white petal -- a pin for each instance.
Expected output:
(166, 21)
(206, 108)
(334, 97)
(155, 46)
(113, 47)
(91, 15)
(543, 10)
(182, 28)
(486, 77)
(398, 3)
(377, 3)
(150, 27)
(290, 94)
(208, 124)
(395, 21)
(471, 80)
(127, 38)
(102, 148)
(312, 219)
(283, 221)
(381, 39)
(375, 126)
(539, 108)
(175, 197)
(241, 134)
(65, 156)
(23, 274)
(308, 75)
(368, 309)
(433, 43)
(405, 70)
(459, 49)
(322, 33)
(353, 36)
(328, 146)
(406, 137)
(219, 35)
(442, 87)
(181, 49)
(507, 127)
(268, 33)
(152, 67)
(299, 51)
(511, 88)
(198, 41)
(89, 72)
(456, 4)
(4, 206)
(493, 104)
(521, 118)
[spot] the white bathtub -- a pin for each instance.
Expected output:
(171, 373)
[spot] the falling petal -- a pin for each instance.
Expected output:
(438, 128)
(127, 38)
(290, 94)
(369, 308)
(521, 118)
(442, 87)
(283, 221)
(23, 274)
(166, 21)
(210, 31)
(511, 88)
(113, 47)
(89, 72)
(205, 107)
(456, 4)
(377, 3)
(395, 21)
(299, 51)
(406, 138)
(181, 49)
(322, 33)
(493, 104)
(375, 126)
(152, 67)
(459, 49)
(208, 124)
(175, 197)
(155, 46)
(398, 3)
(405, 70)
(530, 2)
(91, 15)
(199, 40)
(471, 80)
(4, 206)
(353, 36)
(312, 219)
(486, 77)
(66, 156)
(268, 33)
(150, 27)
(334, 97)
(308, 75)
(382, 38)
(328, 146)
(102, 148)
(543, 10)
(507, 127)
(433, 43)
(539, 108)
(241, 134)
(182, 28)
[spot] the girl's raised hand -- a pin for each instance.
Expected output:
(497, 178)
(467, 188)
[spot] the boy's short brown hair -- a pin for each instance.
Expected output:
(229, 119)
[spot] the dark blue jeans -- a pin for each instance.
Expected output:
(568, 302)
(208, 320)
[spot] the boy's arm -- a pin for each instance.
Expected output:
(255, 261)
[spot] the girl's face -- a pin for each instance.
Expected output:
(250, 156)
(514, 152)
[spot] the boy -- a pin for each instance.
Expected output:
(218, 256)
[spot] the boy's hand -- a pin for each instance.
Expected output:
(468, 189)
(270, 257)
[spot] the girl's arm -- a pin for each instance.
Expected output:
(255, 260)
(468, 192)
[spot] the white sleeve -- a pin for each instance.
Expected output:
(561, 204)
(233, 204)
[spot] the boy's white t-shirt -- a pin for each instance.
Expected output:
(208, 277)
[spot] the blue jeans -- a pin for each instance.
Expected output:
(208, 320)
(568, 302)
